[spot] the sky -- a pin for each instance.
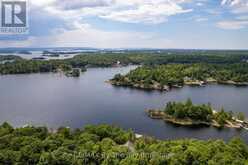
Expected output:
(182, 24)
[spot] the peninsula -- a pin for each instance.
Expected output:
(166, 77)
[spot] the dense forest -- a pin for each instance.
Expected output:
(19, 66)
(205, 113)
(188, 110)
(166, 76)
(109, 145)
(9, 58)
(22, 66)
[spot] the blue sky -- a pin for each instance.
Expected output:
(197, 24)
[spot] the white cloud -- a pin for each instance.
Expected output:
(131, 11)
(237, 6)
(233, 2)
(78, 4)
(199, 4)
(82, 34)
(147, 13)
(232, 25)
(41, 3)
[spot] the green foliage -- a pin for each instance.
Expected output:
(222, 117)
(241, 116)
(189, 111)
(103, 144)
(104, 131)
(178, 74)
(6, 129)
(9, 58)
(83, 69)
(75, 73)
(19, 65)
(28, 66)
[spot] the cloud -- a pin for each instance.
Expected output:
(78, 4)
(199, 4)
(239, 9)
(147, 13)
(129, 11)
(232, 25)
(233, 2)
(237, 6)
(77, 32)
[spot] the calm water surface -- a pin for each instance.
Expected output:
(54, 100)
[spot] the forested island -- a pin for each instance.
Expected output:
(188, 114)
(165, 77)
(110, 145)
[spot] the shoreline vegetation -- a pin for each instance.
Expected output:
(166, 77)
(104, 144)
(187, 114)
(16, 65)
(111, 145)
(75, 72)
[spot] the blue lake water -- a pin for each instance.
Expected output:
(54, 100)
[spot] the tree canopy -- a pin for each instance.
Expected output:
(104, 145)
(188, 110)
(179, 74)
(19, 65)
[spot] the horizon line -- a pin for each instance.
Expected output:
(60, 47)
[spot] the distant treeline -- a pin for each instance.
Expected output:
(9, 57)
(111, 59)
(107, 145)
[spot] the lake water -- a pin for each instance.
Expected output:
(54, 100)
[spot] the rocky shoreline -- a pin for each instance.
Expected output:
(160, 115)
(155, 86)
(158, 86)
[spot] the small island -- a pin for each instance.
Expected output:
(188, 114)
(166, 77)
(73, 73)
